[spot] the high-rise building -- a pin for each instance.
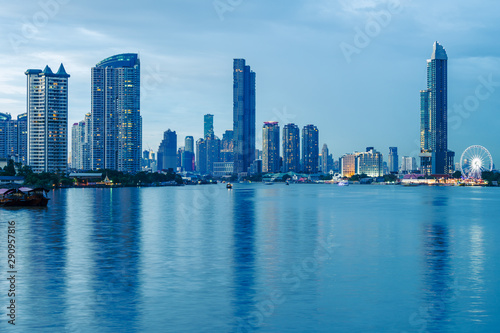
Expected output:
(77, 141)
(349, 165)
(47, 109)
(270, 147)
(435, 158)
(7, 126)
(408, 164)
(325, 158)
(393, 160)
(116, 120)
(167, 152)
(310, 149)
(291, 148)
(213, 152)
(243, 115)
(201, 156)
(208, 123)
(188, 155)
(370, 163)
(227, 147)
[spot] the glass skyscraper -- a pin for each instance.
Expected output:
(116, 119)
(208, 123)
(271, 147)
(291, 148)
(243, 115)
(167, 152)
(47, 110)
(310, 149)
(393, 160)
(434, 155)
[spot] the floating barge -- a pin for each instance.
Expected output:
(23, 196)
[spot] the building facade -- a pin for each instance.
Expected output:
(208, 125)
(370, 163)
(47, 123)
(270, 147)
(227, 147)
(167, 152)
(116, 120)
(243, 115)
(349, 165)
(310, 149)
(291, 148)
(434, 155)
(408, 165)
(393, 160)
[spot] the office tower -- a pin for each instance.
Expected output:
(201, 156)
(370, 163)
(208, 127)
(212, 152)
(116, 120)
(189, 144)
(291, 148)
(188, 154)
(180, 151)
(14, 137)
(227, 147)
(349, 165)
(243, 115)
(310, 149)
(325, 159)
(408, 164)
(435, 158)
(77, 142)
(393, 160)
(167, 152)
(47, 109)
(270, 147)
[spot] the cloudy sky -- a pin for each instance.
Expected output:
(354, 68)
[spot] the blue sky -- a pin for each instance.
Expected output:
(312, 63)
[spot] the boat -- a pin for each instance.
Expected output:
(229, 185)
(343, 183)
(268, 183)
(287, 182)
(23, 196)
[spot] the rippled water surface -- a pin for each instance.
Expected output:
(299, 258)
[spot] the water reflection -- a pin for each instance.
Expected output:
(244, 259)
(115, 247)
(437, 275)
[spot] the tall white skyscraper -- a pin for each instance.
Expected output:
(47, 109)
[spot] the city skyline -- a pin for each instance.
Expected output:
(311, 93)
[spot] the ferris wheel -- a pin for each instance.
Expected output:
(474, 161)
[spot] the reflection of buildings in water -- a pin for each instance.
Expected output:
(438, 275)
(244, 257)
(42, 267)
(116, 254)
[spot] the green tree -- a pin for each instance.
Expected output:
(9, 169)
(457, 175)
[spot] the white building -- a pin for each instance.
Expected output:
(47, 119)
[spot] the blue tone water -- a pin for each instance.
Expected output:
(299, 258)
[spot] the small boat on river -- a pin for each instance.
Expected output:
(23, 196)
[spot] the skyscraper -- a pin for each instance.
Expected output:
(310, 149)
(271, 147)
(212, 152)
(434, 155)
(188, 154)
(393, 159)
(47, 110)
(167, 152)
(201, 156)
(116, 119)
(227, 147)
(208, 125)
(370, 163)
(325, 158)
(291, 148)
(243, 115)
